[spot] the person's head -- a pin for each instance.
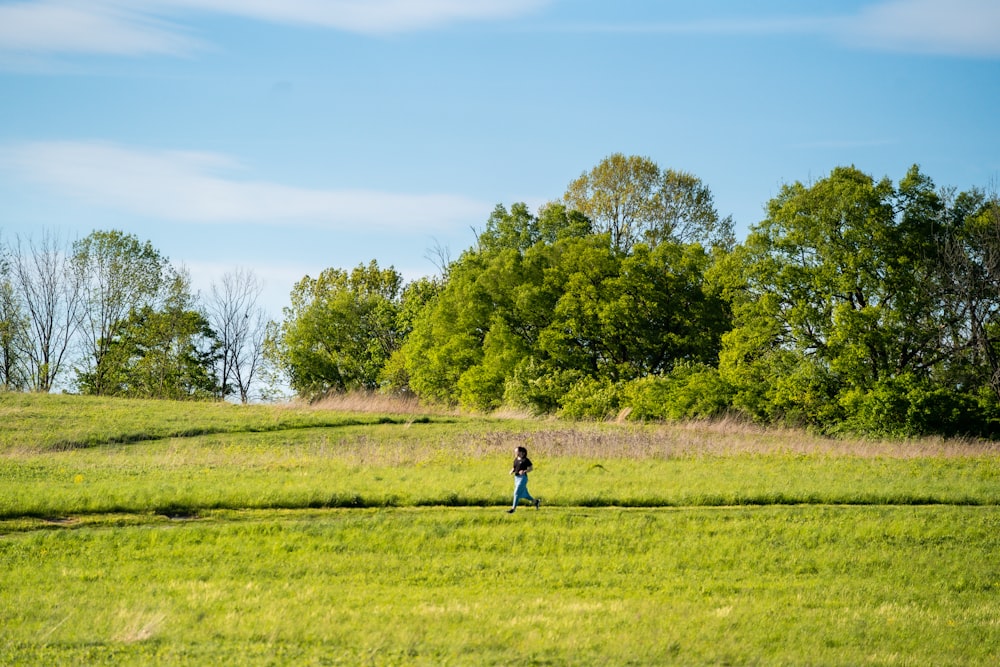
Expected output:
(521, 452)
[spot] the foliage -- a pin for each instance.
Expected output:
(857, 306)
(168, 353)
(543, 304)
(688, 391)
(633, 200)
(843, 301)
(118, 274)
(340, 329)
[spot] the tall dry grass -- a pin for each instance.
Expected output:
(370, 402)
(620, 438)
(721, 438)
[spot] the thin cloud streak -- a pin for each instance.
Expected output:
(103, 28)
(969, 28)
(369, 17)
(842, 144)
(187, 187)
(955, 28)
(155, 27)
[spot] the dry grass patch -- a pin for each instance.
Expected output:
(725, 437)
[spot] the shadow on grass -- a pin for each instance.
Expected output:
(178, 511)
(194, 432)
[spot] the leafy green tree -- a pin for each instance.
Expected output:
(688, 391)
(165, 353)
(488, 314)
(416, 296)
(838, 290)
(633, 200)
(543, 304)
(340, 329)
(13, 328)
(971, 274)
(117, 274)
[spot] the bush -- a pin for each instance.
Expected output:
(591, 398)
(689, 391)
(905, 407)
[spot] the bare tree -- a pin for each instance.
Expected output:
(241, 325)
(43, 277)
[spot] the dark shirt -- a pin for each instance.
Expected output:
(521, 465)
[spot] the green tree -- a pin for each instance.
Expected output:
(165, 353)
(543, 304)
(486, 317)
(340, 329)
(633, 200)
(838, 290)
(13, 329)
(117, 274)
(971, 273)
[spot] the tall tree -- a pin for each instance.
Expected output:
(340, 329)
(836, 298)
(971, 273)
(13, 329)
(117, 273)
(241, 325)
(634, 201)
(543, 303)
(165, 350)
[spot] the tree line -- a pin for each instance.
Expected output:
(857, 305)
(109, 315)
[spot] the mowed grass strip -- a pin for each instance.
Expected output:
(560, 586)
(458, 464)
(35, 423)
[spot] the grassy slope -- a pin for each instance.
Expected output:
(95, 572)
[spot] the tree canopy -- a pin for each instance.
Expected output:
(856, 305)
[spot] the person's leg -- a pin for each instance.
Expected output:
(527, 496)
(520, 491)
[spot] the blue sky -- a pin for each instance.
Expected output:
(287, 136)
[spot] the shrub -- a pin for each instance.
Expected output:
(689, 391)
(591, 398)
(905, 407)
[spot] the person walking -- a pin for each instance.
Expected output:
(522, 466)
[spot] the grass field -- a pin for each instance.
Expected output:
(164, 533)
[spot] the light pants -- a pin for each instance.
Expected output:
(521, 489)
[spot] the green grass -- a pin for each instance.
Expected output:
(276, 535)
(764, 585)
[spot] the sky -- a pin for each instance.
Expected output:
(290, 136)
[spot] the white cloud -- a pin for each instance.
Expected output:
(139, 27)
(956, 27)
(365, 16)
(192, 187)
(110, 28)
